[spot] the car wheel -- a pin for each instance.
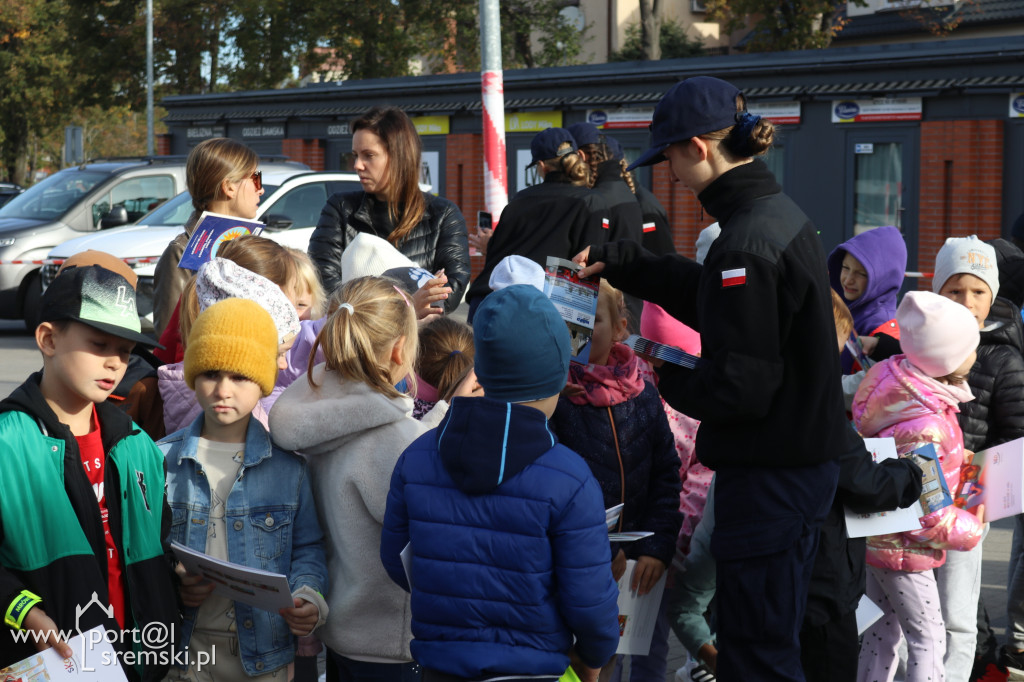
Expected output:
(32, 301)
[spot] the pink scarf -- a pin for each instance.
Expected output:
(610, 384)
(951, 394)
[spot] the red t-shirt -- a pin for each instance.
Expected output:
(90, 447)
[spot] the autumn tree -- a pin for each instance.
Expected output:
(787, 25)
(675, 43)
(38, 81)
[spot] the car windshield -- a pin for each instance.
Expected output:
(175, 211)
(51, 197)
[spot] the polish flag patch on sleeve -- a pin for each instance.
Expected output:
(605, 223)
(649, 227)
(734, 278)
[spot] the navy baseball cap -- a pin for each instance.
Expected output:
(96, 297)
(551, 143)
(585, 133)
(690, 108)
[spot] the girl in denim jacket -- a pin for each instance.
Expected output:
(235, 496)
(914, 399)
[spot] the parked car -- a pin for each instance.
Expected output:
(97, 195)
(290, 208)
(9, 190)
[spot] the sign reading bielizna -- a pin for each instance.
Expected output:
(878, 109)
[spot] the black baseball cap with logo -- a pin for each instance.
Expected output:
(97, 297)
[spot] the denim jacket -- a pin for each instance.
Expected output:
(272, 525)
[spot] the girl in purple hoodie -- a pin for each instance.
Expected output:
(868, 271)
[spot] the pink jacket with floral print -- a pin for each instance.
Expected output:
(894, 402)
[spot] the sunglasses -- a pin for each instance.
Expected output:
(257, 179)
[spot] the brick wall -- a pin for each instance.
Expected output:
(163, 144)
(685, 215)
(309, 152)
(464, 173)
(961, 184)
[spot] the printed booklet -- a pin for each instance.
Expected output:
(212, 230)
(881, 523)
(660, 351)
(637, 614)
(262, 589)
(575, 300)
(92, 660)
(934, 491)
(992, 482)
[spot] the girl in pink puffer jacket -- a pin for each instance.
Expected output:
(914, 399)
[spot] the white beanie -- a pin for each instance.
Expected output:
(704, 240)
(516, 270)
(220, 279)
(966, 255)
(936, 334)
(370, 256)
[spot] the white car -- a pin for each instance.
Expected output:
(290, 207)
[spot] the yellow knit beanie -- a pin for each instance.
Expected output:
(235, 335)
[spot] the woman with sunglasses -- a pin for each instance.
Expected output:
(429, 230)
(222, 177)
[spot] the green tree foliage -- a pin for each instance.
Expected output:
(38, 81)
(675, 43)
(270, 37)
(785, 25)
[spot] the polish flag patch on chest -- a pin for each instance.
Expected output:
(734, 278)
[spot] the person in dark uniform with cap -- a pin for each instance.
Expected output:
(767, 390)
(557, 217)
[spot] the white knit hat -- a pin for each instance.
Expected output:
(706, 237)
(966, 255)
(936, 334)
(221, 279)
(516, 270)
(370, 256)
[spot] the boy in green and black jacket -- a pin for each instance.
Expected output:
(82, 511)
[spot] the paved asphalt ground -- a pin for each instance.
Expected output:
(19, 358)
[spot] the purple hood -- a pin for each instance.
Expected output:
(883, 253)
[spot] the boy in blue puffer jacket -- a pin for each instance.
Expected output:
(510, 555)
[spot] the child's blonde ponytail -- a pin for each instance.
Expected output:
(367, 316)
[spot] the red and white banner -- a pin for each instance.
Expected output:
(60, 261)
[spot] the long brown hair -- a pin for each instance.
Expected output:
(402, 173)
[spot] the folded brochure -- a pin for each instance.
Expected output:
(262, 589)
(211, 232)
(575, 299)
(93, 659)
(660, 351)
(860, 525)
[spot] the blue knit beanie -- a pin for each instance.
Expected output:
(521, 345)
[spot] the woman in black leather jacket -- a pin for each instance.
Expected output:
(427, 229)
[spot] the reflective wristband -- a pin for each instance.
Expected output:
(19, 608)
